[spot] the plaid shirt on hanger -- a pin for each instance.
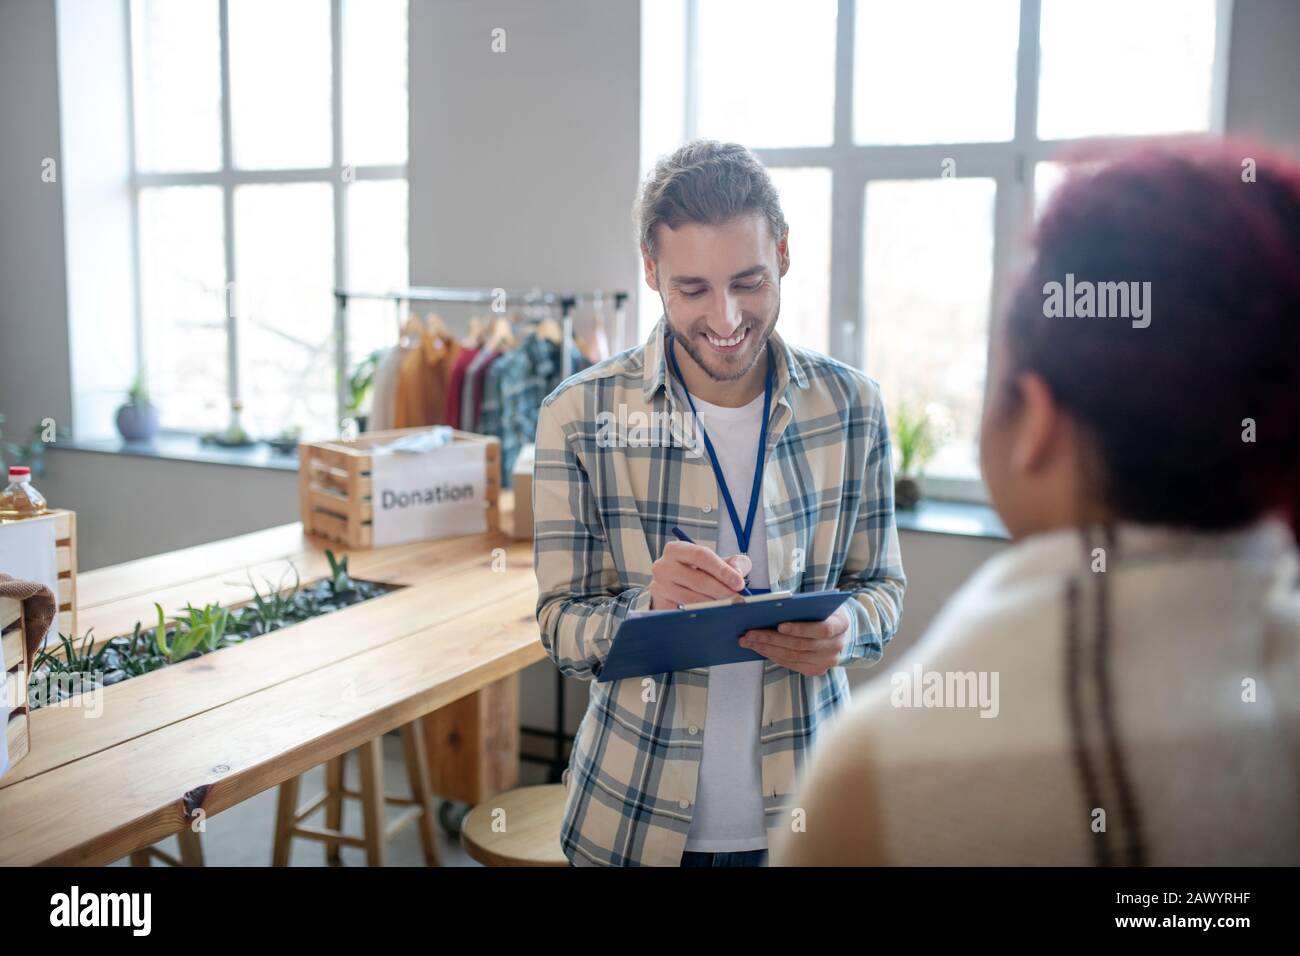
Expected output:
(512, 395)
(603, 515)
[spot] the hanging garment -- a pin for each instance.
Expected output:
(455, 388)
(513, 394)
(383, 395)
(468, 412)
(479, 386)
(423, 379)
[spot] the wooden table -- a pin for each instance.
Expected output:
(208, 733)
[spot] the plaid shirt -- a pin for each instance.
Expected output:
(513, 391)
(603, 515)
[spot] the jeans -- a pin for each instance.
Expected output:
(742, 858)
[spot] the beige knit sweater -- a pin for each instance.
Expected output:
(1147, 713)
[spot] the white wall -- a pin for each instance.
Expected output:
(523, 164)
(34, 375)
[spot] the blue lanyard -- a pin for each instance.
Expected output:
(742, 534)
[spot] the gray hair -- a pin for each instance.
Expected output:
(709, 182)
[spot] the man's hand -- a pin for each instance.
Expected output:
(690, 573)
(811, 648)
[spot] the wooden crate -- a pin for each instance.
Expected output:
(65, 558)
(334, 485)
(17, 659)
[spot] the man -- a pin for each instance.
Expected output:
(695, 767)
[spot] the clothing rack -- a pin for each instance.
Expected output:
(566, 302)
(528, 299)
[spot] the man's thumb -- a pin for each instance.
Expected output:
(741, 563)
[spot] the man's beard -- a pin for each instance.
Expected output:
(740, 371)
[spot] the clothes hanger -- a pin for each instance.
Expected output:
(412, 332)
(501, 336)
(549, 330)
(435, 326)
(477, 333)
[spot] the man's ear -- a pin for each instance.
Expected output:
(783, 252)
(651, 276)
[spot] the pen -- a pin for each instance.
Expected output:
(680, 535)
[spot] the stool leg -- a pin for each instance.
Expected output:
(191, 845)
(417, 773)
(372, 800)
(286, 810)
(140, 858)
(334, 774)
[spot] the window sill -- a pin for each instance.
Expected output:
(177, 446)
(963, 518)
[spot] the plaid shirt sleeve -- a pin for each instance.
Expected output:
(873, 567)
(582, 596)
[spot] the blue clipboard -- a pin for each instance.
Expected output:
(658, 642)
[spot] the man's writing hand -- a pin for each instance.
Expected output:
(690, 573)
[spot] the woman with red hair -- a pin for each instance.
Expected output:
(1122, 685)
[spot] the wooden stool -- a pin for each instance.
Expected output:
(373, 800)
(517, 828)
(191, 852)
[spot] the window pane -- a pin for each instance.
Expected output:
(766, 72)
(806, 288)
(928, 286)
(176, 60)
(284, 267)
(280, 83)
(1047, 177)
(1113, 67)
(935, 71)
(374, 82)
(182, 304)
(377, 262)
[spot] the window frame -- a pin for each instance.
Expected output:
(338, 175)
(1010, 164)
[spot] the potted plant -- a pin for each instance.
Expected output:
(234, 434)
(287, 440)
(137, 419)
(914, 436)
(360, 383)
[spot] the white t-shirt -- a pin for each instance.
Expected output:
(729, 798)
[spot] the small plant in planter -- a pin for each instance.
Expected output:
(233, 435)
(914, 436)
(360, 382)
(193, 633)
(287, 440)
(137, 419)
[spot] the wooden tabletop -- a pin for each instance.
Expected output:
(208, 733)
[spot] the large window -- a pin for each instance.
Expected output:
(911, 142)
(270, 147)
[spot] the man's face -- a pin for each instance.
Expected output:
(721, 290)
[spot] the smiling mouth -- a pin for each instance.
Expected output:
(727, 345)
